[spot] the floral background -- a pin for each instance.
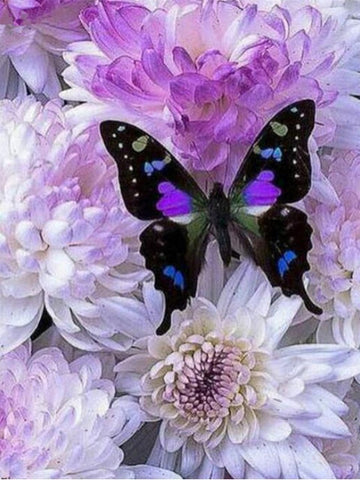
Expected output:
(246, 384)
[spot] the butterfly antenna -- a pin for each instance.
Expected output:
(208, 173)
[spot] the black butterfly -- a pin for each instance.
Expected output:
(276, 171)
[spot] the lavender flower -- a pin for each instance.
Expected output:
(33, 35)
(204, 78)
(66, 240)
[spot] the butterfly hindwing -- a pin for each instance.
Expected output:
(153, 183)
(280, 248)
(174, 253)
(277, 167)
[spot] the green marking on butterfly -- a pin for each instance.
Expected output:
(279, 128)
(256, 149)
(140, 143)
(167, 158)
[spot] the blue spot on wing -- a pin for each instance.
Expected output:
(272, 153)
(284, 261)
(277, 154)
(282, 266)
(158, 164)
(267, 153)
(148, 168)
(169, 271)
(289, 256)
(178, 278)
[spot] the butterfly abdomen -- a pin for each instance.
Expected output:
(219, 215)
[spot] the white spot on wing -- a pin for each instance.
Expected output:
(255, 211)
(183, 219)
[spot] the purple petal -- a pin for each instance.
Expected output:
(289, 77)
(183, 60)
(155, 67)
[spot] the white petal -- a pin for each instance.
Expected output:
(262, 456)
(273, 429)
(191, 456)
(240, 288)
(233, 459)
(128, 316)
(211, 278)
(170, 438)
(310, 462)
(287, 460)
(280, 316)
(147, 471)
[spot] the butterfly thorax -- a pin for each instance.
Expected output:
(219, 216)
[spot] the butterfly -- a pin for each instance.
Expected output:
(276, 171)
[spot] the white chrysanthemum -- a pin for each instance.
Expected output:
(344, 454)
(335, 257)
(228, 397)
(66, 240)
(58, 419)
(33, 35)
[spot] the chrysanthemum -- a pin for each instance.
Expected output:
(343, 455)
(228, 398)
(204, 76)
(33, 35)
(335, 258)
(59, 419)
(66, 240)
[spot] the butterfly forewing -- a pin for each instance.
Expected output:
(153, 183)
(277, 167)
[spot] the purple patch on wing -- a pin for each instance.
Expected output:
(173, 201)
(262, 191)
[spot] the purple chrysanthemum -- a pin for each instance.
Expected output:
(203, 77)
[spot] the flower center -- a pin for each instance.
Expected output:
(212, 380)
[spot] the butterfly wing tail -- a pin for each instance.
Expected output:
(309, 304)
(166, 323)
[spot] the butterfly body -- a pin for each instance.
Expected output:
(276, 171)
(219, 218)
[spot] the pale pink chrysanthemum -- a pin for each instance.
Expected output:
(66, 240)
(60, 419)
(33, 36)
(344, 454)
(203, 77)
(230, 400)
(335, 258)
